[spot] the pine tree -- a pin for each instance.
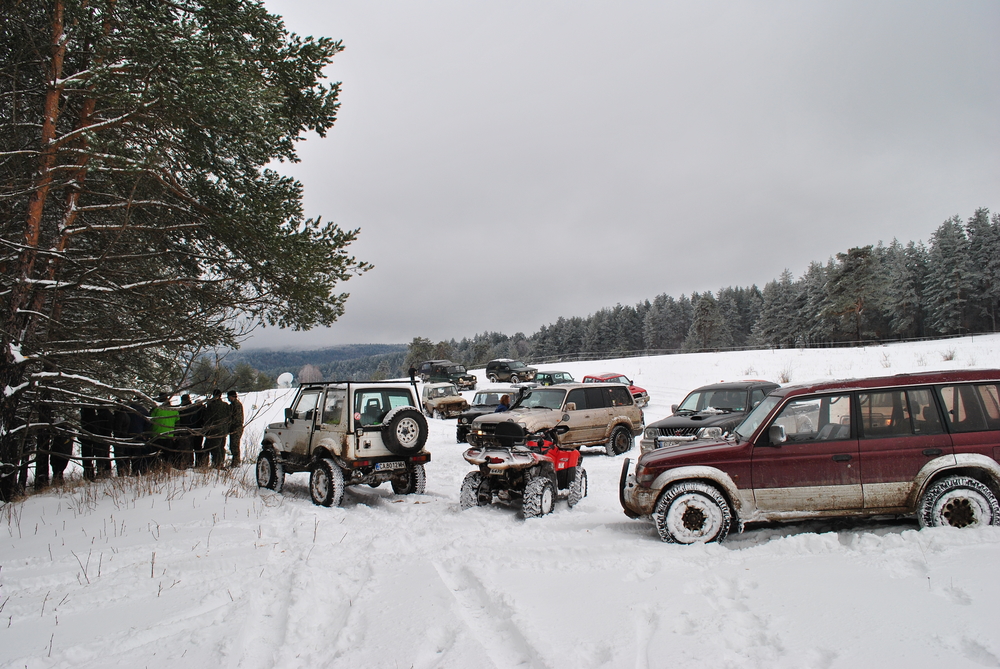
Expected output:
(949, 279)
(140, 220)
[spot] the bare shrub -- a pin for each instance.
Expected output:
(885, 361)
(785, 375)
(750, 371)
(948, 355)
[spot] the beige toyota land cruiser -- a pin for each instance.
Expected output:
(597, 414)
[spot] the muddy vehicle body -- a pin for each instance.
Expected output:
(595, 414)
(712, 411)
(924, 445)
(446, 371)
(441, 400)
(525, 468)
(639, 394)
(347, 433)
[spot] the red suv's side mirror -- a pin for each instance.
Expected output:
(776, 435)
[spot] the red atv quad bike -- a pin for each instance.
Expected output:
(530, 468)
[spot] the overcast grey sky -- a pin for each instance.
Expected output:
(512, 162)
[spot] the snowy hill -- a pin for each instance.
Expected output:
(202, 570)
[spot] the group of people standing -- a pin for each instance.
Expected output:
(191, 434)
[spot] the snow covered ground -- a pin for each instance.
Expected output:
(200, 570)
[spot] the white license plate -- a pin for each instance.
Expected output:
(382, 466)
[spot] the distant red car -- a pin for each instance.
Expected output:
(640, 395)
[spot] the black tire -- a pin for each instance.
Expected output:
(474, 491)
(577, 487)
(415, 482)
(404, 431)
(270, 473)
(539, 497)
(690, 512)
(958, 501)
(514, 378)
(326, 483)
(621, 441)
(492, 378)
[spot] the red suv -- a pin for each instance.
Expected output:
(639, 395)
(915, 444)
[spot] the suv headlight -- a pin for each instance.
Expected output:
(650, 433)
(709, 433)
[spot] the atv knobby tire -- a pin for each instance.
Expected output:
(270, 473)
(473, 493)
(577, 487)
(958, 501)
(415, 482)
(326, 483)
(404, 431)
(539, 497)
(691, 512)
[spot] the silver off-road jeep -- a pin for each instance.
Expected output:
(348, 433)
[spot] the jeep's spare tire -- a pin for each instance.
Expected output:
(404, 431)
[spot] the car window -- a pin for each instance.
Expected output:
(372, 404)
(745, 429)
(306, 406)
(564, 377)
(597, 398)
(543, 398)
(923, 408)
(729, 400)
(333, 408)
(815, 419)
(620, 397)
(756, 396)
(578, 397)
(971, 408)
(885, 414)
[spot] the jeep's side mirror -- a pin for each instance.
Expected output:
(673, 408)
(288, 414)
(776, 435)
(570, 406)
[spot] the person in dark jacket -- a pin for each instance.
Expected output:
(140, 454)
(187, 427)
(216, 428)
(192, 422)
(235, 427)
(504, 404)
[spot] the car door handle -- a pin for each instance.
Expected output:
(932, 451)
(841, 458)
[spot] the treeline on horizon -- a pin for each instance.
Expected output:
(949, 286)
(872, 293)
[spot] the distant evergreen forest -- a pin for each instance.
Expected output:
(949, 286)
(873, 293)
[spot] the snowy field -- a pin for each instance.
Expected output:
(198, 570)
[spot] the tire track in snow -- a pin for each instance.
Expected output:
(489, 619)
